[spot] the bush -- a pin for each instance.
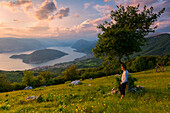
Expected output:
(28, 78)
(70, 73)
(150, 65)
(18, 86)
(138, 64)
(131, 82)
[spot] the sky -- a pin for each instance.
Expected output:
(66, 19)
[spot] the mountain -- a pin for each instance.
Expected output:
(156, 45)
(84, 46)
(40, 56)
(53, 42)
(19, 45)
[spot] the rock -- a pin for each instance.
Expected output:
(89, 84)
(91, 78)
(28, 88)
(31, 97)
(117, 75)
(76, 82)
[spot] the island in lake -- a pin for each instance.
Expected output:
(40, 56)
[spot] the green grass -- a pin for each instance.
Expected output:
(94, 98)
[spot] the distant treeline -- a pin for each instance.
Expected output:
(45, 78)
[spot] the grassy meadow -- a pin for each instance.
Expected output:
(93, 96)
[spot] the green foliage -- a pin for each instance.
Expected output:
(111, 65)
(96, 74)
(131, 82)
(95, 98)
(70, 73)
(138, 64)
(127, 34)
(5, 85)
(150, 65)
(46, 75)
(28, 78)
(18, 86)
(40, 98)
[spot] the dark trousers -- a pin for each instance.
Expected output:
(122, 88)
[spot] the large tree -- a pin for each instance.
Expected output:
(125, 33)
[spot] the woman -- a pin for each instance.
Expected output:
(124, 81)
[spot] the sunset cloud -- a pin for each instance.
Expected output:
(63, 12)
(44, 18)
(86, 5)
(46, 10)
(27, 4)
(103, 8)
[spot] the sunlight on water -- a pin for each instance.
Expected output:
(9, 64)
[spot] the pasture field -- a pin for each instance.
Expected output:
(93, 96)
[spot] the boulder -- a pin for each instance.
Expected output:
(31, 97)
(117, 75)
(76, 82)
(28, 88)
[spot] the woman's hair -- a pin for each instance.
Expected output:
(124, 66)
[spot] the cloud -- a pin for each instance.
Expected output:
(86, 5)
(19, 3)
(107, 0)
(39, 27)
(76, 15)
(63, 12)
(46, 10)
(2, 24)
(105, 9)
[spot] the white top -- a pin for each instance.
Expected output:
(124, 76)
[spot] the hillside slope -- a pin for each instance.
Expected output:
(156, 45)
(92, 96)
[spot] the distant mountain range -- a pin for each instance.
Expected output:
(8, 45)
(40, 56)
(84, 46)
(18, 45)
(156, 45)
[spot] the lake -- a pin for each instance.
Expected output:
(9, 64)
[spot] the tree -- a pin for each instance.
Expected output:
(125, 33)
(5, 85)
(70, 73)
(28, 78)
(46, 75)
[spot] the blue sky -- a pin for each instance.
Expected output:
(66, 19)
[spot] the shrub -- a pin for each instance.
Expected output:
(150, 65)
(28, 78)
(131, 82)
(138, 64)
(70, 73)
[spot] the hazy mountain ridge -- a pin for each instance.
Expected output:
(40, 56)
(84, 46)
(156, 45)
(8, 45)
(19, 45)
